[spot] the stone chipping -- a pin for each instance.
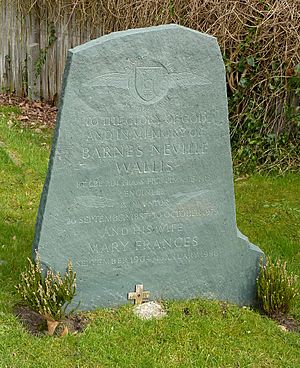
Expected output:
(149, 310)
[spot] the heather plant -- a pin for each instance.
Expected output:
(276, 287)
(47, 295)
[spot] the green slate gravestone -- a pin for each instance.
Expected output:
(140, 187)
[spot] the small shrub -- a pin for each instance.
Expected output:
(49, 295)
(276, 287)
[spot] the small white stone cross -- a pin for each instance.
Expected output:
(139, 295)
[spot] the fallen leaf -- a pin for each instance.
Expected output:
(283, 328)
(65, 331)
(23, 117)
(52, 327)
(37, 104)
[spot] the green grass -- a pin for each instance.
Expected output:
(268, 212)
(195, 333)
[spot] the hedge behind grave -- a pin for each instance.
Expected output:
(260, 42)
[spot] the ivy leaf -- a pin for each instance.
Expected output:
(250, 61)
(243, 82)
(271, 86)
(240, 65)
(297, 68)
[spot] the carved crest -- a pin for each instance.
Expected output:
(150, 82)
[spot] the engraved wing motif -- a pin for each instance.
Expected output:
(117, 80)
(147, 84)
(186, 80)
(121, 80)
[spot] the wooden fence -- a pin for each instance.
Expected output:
(33, 51)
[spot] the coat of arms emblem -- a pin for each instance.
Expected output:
(151, 83)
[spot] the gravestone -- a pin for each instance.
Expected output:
(140, 188)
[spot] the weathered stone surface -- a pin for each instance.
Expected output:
(140, 188)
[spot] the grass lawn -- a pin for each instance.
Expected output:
(196, 333)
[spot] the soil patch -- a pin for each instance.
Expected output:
(37, 325)
(34, 114)
(288, 322)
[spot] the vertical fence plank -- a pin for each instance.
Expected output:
(51, 71)
(33, 79)
(5, 50)
(14, 53)
(19, 59)
(58, 62)
(43, 65)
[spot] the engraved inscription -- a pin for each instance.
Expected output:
(145, 167)
(141, 182)
(145, 153)
(131, 148)
(201, 119)
(146, 133)
(193, 211)
(150, 259)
